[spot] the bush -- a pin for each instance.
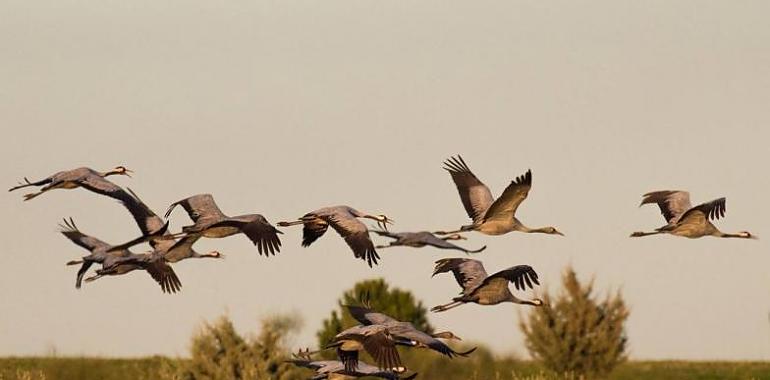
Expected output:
(219, 353)
(576, 334)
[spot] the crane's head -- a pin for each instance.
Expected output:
(446, 335)
(747, 235)
(455, 237)
(537, 302)
(122, 170)
(216, 255)
(552, 231)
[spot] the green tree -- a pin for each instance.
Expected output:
(397, 303)
(575, 333)
(219, 352)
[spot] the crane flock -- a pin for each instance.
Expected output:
(377, 334)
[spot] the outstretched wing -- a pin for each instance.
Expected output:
(367, 316)
(355, 234)
(673, 203)
(505, 207)
(313, 228)
(469, 273)
(103, 186)
(406, 333)
(151, 225)
(81, 272)
(70, 231)
(710, 210)
(474, 194)
(180, 249)
(522, 276)
(382, 348)
(258, 230)
(201, 208)
(164, 275)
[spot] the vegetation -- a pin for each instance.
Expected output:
(218, 351)
(55, 368)
(575, 333)
(58, 368)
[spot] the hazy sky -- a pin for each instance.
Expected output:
(283, 107)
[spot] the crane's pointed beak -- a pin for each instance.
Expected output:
(128, 173)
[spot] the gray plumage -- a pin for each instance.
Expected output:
(422, 239)
(344, 220)
(374, 339)
(96, 182)
(404, 333)
(685, 220)
(81, 177)
(211, 222)
(478, 287)
(113, 262)
(335, 370)
(491, 216)
(162, 242)
(366, 316)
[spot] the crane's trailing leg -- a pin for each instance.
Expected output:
(445, 307)
(74, 262)
(169, 236)
(462, 229)
(467, 252)
(32, 195)
(27, 183)
(94, 277)
(640, 234)
(289, 224)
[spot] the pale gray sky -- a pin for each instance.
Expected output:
(283, 107)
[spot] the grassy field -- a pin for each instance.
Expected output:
(151, 368)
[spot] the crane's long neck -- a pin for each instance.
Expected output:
(522, 228)
(741, 235)
(535, 302)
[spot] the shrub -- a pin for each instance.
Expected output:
(219, 352)
(576, 334)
